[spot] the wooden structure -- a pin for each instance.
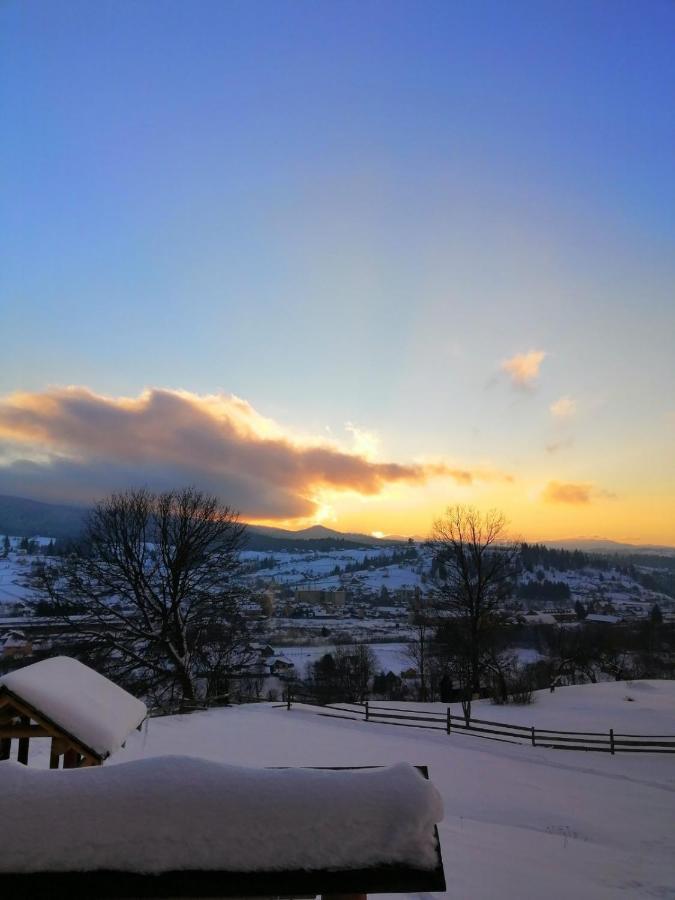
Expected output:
(343, 884)
(21, 721)
(85, 715)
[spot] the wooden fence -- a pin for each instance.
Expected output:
(602, 741)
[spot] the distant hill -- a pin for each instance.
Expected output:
(598, 545)
(22, 517)
(319, 533)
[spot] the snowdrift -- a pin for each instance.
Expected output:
(170, 813)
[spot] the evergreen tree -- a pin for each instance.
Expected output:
(656, 616)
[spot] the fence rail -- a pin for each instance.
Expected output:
(599, 741)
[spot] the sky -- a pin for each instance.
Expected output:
(343, 262)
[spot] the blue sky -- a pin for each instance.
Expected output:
(355, 212)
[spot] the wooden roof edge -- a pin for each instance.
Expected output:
(213, 883)
(28, 709)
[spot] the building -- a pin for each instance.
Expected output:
(15, 645)
(327, 599)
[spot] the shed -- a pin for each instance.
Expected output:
(281, 666)
(86, 715)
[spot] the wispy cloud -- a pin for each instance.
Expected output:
(574, 493)
(73, 444)
(523, 369)
(557, 446)
(564, 408)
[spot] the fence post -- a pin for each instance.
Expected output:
(532, 735)
(288, 699)
(448, 722)
(366, 710)
(611, 741)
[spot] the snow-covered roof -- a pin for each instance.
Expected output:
(175, 812)
(14, 639)
(91, 708)
(540, 619)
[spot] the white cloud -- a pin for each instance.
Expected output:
(564, 408)
(523, 368)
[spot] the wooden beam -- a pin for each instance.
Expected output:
(71, 759)
(59, 746)
(23, 708)
(54, 754)
(24, 742)
(344, 897)
(5, 747)
(23, 731)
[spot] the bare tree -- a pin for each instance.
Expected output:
(151, 590)
(420, 649)
(475, 565)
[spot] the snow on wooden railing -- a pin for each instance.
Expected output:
(132, 826)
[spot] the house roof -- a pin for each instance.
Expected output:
(89, 707)
(283, 661)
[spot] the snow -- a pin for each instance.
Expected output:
(520, 821)
(629, 707)
(178, 812)
(85, 704)
(391, 657)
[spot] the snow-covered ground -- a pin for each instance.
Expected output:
(390, 657)
(629, 707)
(520, 822)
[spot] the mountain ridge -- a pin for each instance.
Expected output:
(26, 517)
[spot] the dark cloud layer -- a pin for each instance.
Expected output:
(89, 445)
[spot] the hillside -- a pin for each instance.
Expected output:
(22, 517)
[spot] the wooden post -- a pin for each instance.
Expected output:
(22, 755)
(532, 735)
(54, 755)
(5, 747)
(448, 723)
(611, 741)
(288, 699)
(366, 710)
(71, 759)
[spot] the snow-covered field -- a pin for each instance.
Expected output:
(520, 822)
(390, 657)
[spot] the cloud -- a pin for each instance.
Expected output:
(564, 408)
(576, 494)
(73, 444)
(523, 368)
(365, 443)
(562, 444)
